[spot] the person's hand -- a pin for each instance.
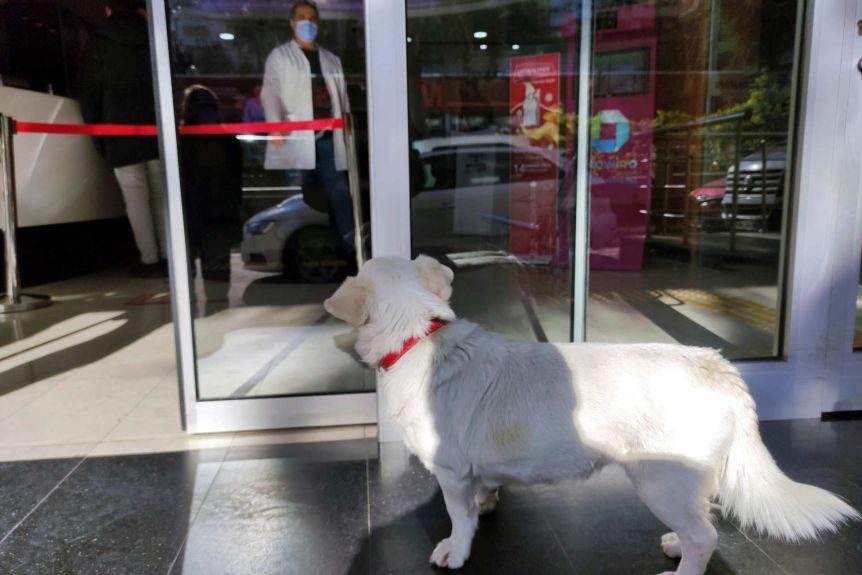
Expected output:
(278, 139)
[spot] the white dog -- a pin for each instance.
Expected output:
(480, 410)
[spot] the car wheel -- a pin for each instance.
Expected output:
(312, 256)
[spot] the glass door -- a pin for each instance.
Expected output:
(607, 171)
(691, 171)
(493, 94)
(632, 171)
(264, 139)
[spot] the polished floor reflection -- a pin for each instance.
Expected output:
(272, 337)
(95, 373)
(349, 507)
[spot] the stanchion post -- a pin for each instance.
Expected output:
(355, 190)
(13, 300)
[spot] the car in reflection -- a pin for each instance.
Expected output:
(295, 239)
(708, 200)
(460, 200)
(758, 207)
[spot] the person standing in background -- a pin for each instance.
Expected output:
(252, 113)
(116, 87)
(252, 110)
(303, 81)
(212, 195)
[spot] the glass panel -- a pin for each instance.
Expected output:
(689, 135)
(689, 166)
(493, 95)
(269, 214)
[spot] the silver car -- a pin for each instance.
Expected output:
(293, 238)
(759, 204)
(460, 202)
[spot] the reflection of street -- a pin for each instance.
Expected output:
(732, 308)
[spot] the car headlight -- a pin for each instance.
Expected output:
(259, 227)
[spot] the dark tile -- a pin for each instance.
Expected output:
(301, 454)
(605, 528)
(408, 518)
(113, 515)
(834, 554)
(837, 553)
(280, 515)
(399, 487)
(24, 483)
(811, 443)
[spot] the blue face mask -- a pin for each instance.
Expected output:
(306, 30)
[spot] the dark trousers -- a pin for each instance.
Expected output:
(334, 185)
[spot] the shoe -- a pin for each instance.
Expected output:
(156, 270)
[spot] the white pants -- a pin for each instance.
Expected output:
(142, 189)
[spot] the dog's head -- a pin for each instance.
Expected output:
(393, 289)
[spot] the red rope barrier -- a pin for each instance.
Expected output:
(197, 130)
(85, 129)
(262, 127)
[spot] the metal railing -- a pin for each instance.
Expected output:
(688, 156)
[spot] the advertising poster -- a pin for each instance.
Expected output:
(534, 109)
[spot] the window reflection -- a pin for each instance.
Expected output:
(689, 131)
(271, 223)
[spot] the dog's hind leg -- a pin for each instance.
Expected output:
(677, 493)
(486, 498)
(453, 551)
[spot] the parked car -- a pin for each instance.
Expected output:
(759, 206)
(460, 202)
(708, 199)
(293, 238)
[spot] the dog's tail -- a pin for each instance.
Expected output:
(755, 491)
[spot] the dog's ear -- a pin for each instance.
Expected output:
(349, 303)
(435, 276)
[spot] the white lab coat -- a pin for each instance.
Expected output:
(286, 96)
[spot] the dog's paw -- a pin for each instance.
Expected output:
(446, 555)
(488, 504)
(671, 546)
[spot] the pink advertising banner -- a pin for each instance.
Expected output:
(534, 110)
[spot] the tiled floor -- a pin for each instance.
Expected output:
(347, 507)
(95, 373)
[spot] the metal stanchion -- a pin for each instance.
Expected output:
(355, 191)
(13, 300)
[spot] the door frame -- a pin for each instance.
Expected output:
(818, 372)
(844, 392)
(227, 415)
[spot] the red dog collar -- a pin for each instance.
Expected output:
(390, 358)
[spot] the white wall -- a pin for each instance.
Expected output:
(59, 179)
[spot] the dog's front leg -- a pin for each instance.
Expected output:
(453, 551)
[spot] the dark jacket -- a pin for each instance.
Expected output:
(116, 87)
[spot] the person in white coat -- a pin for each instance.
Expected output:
(303, 81)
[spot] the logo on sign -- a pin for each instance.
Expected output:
(609, 131)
